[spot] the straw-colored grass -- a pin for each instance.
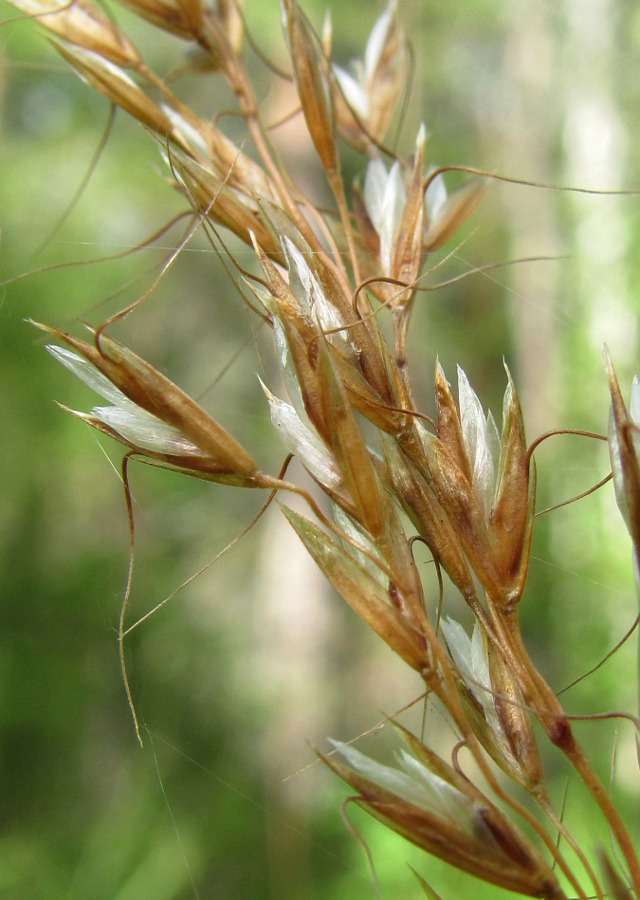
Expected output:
(332, 285)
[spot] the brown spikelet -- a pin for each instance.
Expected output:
(84, 24)
(153, 392)
(115, 85)
(310, 69)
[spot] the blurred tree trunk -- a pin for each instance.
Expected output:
(526, 118)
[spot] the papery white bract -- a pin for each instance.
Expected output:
(313, 302)
(354, 89)
(308, 290)
(435, 196)
(414, 783)
(471, 662)
(357, 89)
(385, 198)
(126, 418)
(185, 132)
(481, 442)
(302, 441)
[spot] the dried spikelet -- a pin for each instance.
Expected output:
(429, 517)
(511, 518)
(514, 719)
(366, 100)
(348, 447)
(456, 496)
(303, 441)
(493, 700)
(368, 374)
(487, 484)
(217, 38)
(80, 22)
(153, 393)
(371, 362)
(435, 807)
(310, 70)
(211, 194)
(109, 80)
(215, 151)
(407, 249)
(449, 426)
(384, 200)
(387, 67)
(362, 592)
(179, 17)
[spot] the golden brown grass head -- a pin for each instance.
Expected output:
(336, 287)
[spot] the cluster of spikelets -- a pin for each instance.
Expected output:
(467, 487)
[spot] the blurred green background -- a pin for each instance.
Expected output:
(255, 660)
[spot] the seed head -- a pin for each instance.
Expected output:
(310, 70)
(149, 413)
(494, 703)
(485, 484)
(435, 807)
(366, 100)
(110, 80)
(81, 23)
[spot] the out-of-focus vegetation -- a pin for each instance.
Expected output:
(254, 658)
